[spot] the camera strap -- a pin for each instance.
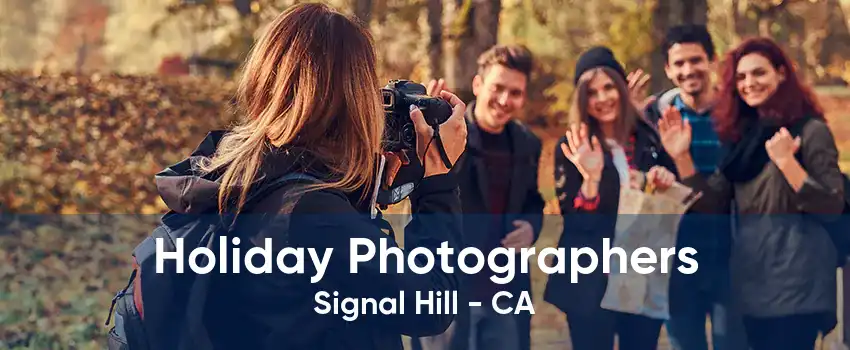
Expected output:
(440, 148)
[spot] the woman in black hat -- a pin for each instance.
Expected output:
(608, 145)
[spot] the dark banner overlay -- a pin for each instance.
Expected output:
(444, 263)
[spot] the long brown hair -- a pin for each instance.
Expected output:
(792, 99)
(628, 113)
(309, 81)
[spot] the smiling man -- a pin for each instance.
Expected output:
(500, 199)
(690, 59)
(499, 179)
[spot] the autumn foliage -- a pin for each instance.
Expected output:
(91, 144)
(85, 144)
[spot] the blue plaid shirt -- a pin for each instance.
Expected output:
(703, 233)
(705, 145)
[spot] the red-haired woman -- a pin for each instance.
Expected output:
(781, 163)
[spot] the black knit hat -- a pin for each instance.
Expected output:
(597, 56)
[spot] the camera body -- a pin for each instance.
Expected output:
(397, 97)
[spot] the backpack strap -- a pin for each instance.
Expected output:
(197, 336)
(278, 183)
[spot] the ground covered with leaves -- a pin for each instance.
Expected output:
(77, 159)
(91, 144)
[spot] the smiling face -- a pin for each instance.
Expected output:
(688, 67)
(603, 99)
(500, 94)
(756, 79)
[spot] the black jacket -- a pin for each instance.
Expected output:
(582, 229)
(784, 257)
(524, 199)
(276, 311)
(524, 203)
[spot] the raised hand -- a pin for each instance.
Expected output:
(452, 134)
(637, 81)
(675, 133)
(782, 147)
(585, 155)
(436, 87)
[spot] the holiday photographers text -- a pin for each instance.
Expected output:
(232, 258)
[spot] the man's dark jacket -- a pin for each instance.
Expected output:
(524, 203)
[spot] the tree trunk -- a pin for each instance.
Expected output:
(836, 44)
(435, 40)
(479, 28)
(746, 21)
(764, 26)
(82, 54)
(363, 10)
(795, 33)
(695, 11)
(737, 20)
(660, 23)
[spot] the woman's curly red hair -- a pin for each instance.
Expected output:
(792, 100)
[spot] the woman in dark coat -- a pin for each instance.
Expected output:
(608, 143)
(781, 166)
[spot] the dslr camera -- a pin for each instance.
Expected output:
(398, 95)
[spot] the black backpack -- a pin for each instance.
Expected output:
(165, 310)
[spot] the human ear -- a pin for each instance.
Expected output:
(477, 82)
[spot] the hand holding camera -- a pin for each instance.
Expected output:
(452, 133)
(434, 126)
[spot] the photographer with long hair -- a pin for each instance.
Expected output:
(311, 103)
(781, 168)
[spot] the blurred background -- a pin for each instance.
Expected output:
(96, 96)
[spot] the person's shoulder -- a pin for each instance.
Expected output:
(816, 124)
(558, 152)
(816, 130)
(526, 132)
(324, 201)
(665, 99)
(300, 199)
(667, 96)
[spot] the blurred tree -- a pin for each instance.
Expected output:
(474, 30)
(363, 10)
(814, 32)
(244, 7)
(28, 34)
(435, 38)
(834, 49)
(21, 19)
